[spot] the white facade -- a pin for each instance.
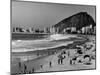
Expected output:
(83, 29)
(52, 30)
(73, 29)
(31, 30)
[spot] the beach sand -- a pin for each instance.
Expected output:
(47, 56)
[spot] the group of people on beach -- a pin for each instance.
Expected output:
(78, 57)
(23, 69)
(61, 57)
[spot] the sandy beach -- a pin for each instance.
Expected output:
(39, 60)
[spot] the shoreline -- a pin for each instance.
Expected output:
(51, 39)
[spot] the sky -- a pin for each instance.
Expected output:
(40, 15)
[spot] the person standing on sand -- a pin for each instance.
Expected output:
(74, 60)
(58, 60)
(33, 70)
(68, 53)
(41, 66)
(19, 64)
(25, 68)
(63, 57)
(70, 61)
(61, 60)
(50, 63)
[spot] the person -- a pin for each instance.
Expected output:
(41, 66)
(19, 64)
(58, 60)
(64, 52)
(74, 59)
(87, 60)
(33, 70)
(87, 56)
(25, 68)
(70, 61)
(80, 61)
(50, 63)
(68, 53)
(63, 57)
(61, 60)
(79, 51)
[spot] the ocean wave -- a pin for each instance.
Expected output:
(34, 49)
(61, 36)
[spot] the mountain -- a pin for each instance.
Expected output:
(78, 20)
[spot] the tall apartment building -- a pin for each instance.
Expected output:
(54, 30)
(31, 30)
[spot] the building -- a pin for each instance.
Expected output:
(87, 29)
(73, 29)
(24, 30)
(91, 26)
(46, 30)
(79, 31)
(17, 29)
(31, 30)
(53, 30)
(37, 30)
(83, 30)
(68, 29)
(94, 30)
(14, 29)
(64, 31)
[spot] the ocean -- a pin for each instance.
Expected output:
(49, 41)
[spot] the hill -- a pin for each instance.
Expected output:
(78, 20)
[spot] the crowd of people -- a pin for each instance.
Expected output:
(80, 56)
